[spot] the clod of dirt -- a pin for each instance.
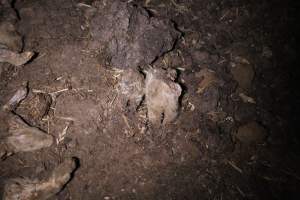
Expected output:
(208, 100)
(208, 78)
(132, 88)
(16, 59)
(243, 72)
(25, 188)
(18, 96)
(129, 36)
(251, 133)
(162, 95)
(200, 57)
(245, 112)
(216, 116)
(34, 108)
(24, 138)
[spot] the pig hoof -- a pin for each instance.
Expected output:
(18, 96)
(24, 138)
(24, 188)
(16, 59)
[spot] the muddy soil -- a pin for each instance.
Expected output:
(235, 134)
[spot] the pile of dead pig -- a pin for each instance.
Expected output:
(130, 40)
(17, 135)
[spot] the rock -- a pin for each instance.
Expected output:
(242, 72)
(129, 35)
(251, 133)
(162, 95)
(34, 108)
(132, 88)
(24, 138)
(25, 188)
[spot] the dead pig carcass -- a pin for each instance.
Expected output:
(11, 43)
(162, 95)
(25, 188)
(20, 136)
(23, 138)
(160, 91)
(129, 36)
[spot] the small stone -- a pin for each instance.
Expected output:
(243, 73)
(251, 133)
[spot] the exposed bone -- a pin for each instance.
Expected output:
(161, 96)
(25, 188)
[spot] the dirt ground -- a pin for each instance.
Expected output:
(236, 133)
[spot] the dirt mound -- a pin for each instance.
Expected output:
(129, 35)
